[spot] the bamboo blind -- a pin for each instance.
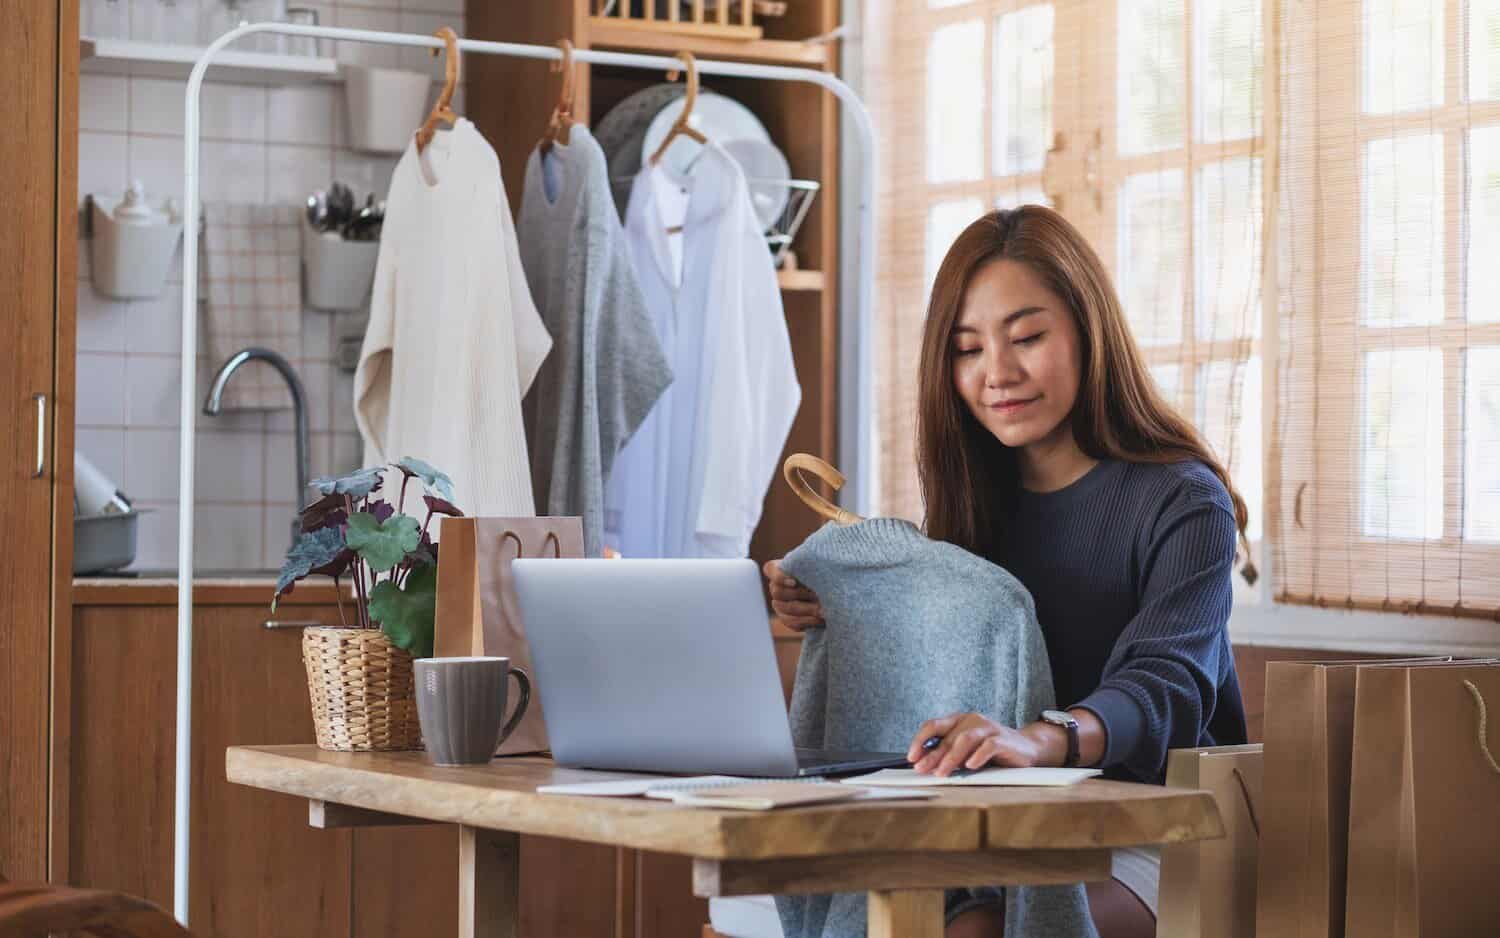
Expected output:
(1359, 412)
(1387, 434)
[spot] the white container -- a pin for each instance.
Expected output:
(336, 274)
(384, 106)
(132, 246)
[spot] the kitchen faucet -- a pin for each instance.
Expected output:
(212, 408)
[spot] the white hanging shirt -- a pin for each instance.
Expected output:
(454, 340)
(693, 478)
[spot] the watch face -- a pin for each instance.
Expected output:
(1060, 717)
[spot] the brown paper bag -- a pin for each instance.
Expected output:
(477, 612)
(1208, 887)
(1308, 737)
(1424, 805)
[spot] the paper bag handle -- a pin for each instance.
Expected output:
(1249, 805)
(551, 538)
(1484, 740)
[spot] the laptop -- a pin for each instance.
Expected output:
(664, 666)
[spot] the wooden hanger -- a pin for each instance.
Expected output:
(793, 468)
(681, 127)
(443, 109)
(562, 115)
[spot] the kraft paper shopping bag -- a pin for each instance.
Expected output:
(1308, 739)
(1424, 803)
(1208, 888)
(477, 613)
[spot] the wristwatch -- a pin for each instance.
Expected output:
(1068, 722)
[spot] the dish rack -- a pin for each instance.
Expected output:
(783, 229)
(800, 195)
(713, 18)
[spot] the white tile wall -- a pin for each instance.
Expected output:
(260, 144)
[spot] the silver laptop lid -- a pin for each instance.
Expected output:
(656, 665)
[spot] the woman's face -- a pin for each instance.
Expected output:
(1016, 358)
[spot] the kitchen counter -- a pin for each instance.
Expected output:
(252, 588)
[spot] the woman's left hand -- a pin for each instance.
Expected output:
(971, 741)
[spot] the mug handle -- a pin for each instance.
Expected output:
(515, 718)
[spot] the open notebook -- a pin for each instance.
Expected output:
(750, 793)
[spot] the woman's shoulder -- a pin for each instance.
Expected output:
(1175, 487)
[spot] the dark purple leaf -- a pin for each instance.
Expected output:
(381, 510)
(326, 512)
(441, 506)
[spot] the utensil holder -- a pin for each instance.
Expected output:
(336, 273)
(383, 106)
(129, 261)
(364, 694)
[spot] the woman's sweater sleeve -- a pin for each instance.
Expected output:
(1160, 682)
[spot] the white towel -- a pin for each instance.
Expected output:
(251, 280)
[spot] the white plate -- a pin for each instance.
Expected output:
(719, 118)
(620, 132)
(767, 174)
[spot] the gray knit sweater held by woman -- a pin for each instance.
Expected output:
(1130, 569)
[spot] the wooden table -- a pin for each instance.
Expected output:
(904, 853)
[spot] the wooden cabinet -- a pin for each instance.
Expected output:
(39, 98)
(257, 868)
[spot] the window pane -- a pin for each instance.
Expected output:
(1484, 49)
(1403, 237)
(955, 129)
(1402, 486)
(1151, 240)
(1168, 380)
(1152, 76)
(1483, 304)
(1482, 445)
(1403, 55)
(945, 221)
(1226, 225)
(1023, 90)
(1229, 394)
(1022, 195)
(1227, 50)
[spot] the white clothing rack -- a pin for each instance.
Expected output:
(855, 345)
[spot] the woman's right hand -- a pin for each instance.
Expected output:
(796, 605)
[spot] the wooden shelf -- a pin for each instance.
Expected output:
(800, 279)
(612, 33)
(161, 60)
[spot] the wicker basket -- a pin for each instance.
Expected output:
(363, 692)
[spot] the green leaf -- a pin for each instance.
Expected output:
(312, 550)
(382, 544)
(432, 478)
(406, 613)
(358, 483)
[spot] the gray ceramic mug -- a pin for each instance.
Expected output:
(460, 702)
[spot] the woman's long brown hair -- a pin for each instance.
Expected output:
(967, 476)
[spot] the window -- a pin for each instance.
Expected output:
(1345, 364)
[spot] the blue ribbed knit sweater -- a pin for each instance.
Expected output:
(1130, 571)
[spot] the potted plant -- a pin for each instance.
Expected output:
(359, 674)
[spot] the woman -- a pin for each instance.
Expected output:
(1044, 446)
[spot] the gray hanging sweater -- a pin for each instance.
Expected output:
(607, 367)
(916, 629)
